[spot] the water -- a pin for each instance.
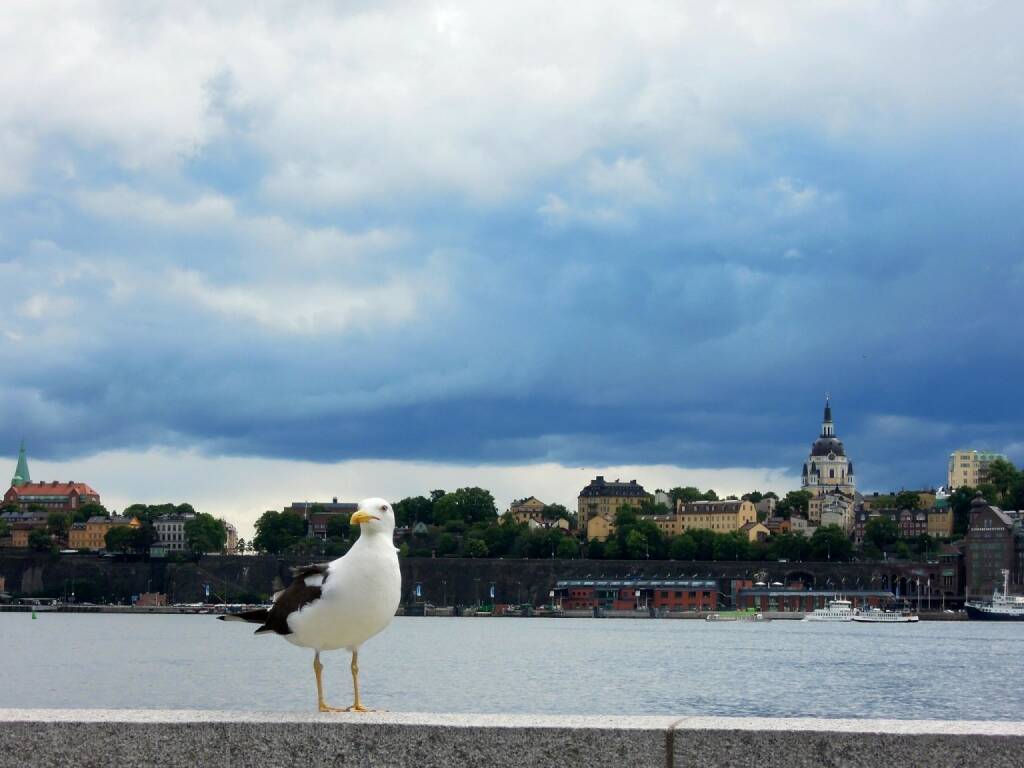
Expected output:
(940, 670)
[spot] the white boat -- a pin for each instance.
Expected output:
(838, 610)
(879, 616)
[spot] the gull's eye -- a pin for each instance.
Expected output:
(384, 508)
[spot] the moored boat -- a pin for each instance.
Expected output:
(880, 616)
(1003, 607)
(837, 610)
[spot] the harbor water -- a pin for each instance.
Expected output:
(932, 670)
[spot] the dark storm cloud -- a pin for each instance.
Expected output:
(633, 265)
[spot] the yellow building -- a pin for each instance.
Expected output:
(525, 510)
(940, 522)
(92, 534)
(969, 467)
(603, 498)
(599, 528)
(756, 532)
(717, 516)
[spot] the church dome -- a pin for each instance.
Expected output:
(823, 446)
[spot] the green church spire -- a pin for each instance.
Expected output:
(21, 475)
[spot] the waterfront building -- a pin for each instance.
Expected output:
(170, 533)
(799, 600)
(92, 534)
(637, 594)
(969, 467)
(318, 514)
(602, 497)
(828, 471)
(995, 541)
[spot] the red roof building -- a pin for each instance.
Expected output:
(54, 496)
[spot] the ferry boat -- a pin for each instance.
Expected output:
(838, 610)
(880, 616)
(1004, 607)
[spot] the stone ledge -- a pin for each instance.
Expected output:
(197, 737)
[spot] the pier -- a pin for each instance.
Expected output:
(31, 738)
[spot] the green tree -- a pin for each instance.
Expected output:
(685, 494)
(338, 527)
(143, 537)
(960, 502)
(753, 497)
(5, 529)
(205, 533)
(120, 538)
(682, 547)
(414, 509)
(1002, 475)
(447, 545)
(40, 541)
(567, 548)
(240, 546)
(881, 532)
(829, 542)
(277, 531)
(907, 500)
(471, 505)
(556, 511)
(636, 545)
(475, 548)
(795, 502)
(789, 546)
(90, 509)
(58, 524)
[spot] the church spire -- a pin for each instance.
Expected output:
(21, 475)
(827, 429)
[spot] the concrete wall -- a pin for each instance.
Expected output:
(457, 581)
(189, 738)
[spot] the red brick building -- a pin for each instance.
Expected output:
(52, 496)
(631, 595)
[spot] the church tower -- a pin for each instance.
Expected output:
(828, 475)
(21, 475)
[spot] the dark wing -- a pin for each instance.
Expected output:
(292, 598)
(317, 569)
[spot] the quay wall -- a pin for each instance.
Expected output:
(30, 738)
(443, 581)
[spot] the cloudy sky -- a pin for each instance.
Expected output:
(254, 253)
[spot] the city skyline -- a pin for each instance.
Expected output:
(257, 253)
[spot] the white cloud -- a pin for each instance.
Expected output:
(241, 489)
(349, 104)
(303, 308)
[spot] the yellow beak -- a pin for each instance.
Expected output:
(361, 516)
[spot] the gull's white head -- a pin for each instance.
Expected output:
(374, 516)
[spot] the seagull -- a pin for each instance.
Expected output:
(340, 604)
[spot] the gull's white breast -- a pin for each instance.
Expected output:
(359, 598)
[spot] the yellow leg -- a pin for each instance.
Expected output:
(357, 706)
(318, 669)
